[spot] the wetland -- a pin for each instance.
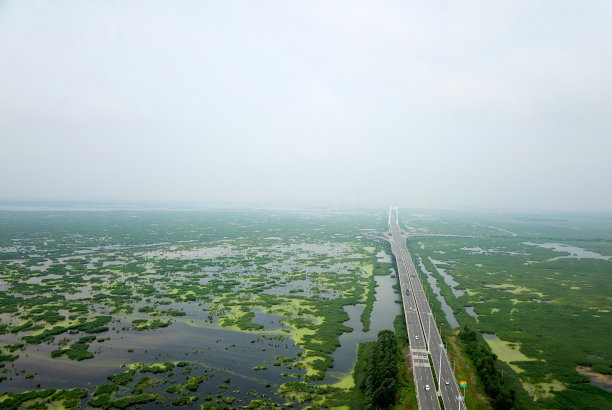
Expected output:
(537, 287)
(263, 309)
(211, 308)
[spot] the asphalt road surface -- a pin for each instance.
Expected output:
(425, 339)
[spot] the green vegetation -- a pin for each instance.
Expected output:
(70, 398)
(123, 377)
(77, 351)
(93, 326)
(183, 400)
(283, 281)
(105, 401)
(106, 388)
(243, 322)
(144, 324)
(548, 309)
(380, 382)
(504, 397)
(156, 368)
(369, 305)
(193, 383)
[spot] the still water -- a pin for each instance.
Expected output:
(433, 283)
(383, 313)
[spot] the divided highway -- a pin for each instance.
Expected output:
(423, 333)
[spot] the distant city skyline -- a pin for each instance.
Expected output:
(471, 105)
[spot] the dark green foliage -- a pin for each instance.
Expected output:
(70, 398)
(144, 383)
(8, 357)
(123, 377)
(244, 322)
(143, 324)
(193, 383)
(49, 317)
(103, 400)
(15, 400)
(93, 326)
(503, 397)
(106, 388)
(106, 402)
(13, 347)
(173, 312)
(183, 400)
(77, 351)
(128, 401)
(578, 396)
(175, 388)
(367, 311)
(380, 383)
(157, 368)
(360, 373)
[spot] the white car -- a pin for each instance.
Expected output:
(427, 387)
(417, 337)
(446, 382)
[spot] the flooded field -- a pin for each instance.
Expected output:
(191, 308)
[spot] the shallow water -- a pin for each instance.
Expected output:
(574, 251)
(470, 311)
(383, 314)
(448, 279)
(383, 257)
(433, 283)
(229, 353)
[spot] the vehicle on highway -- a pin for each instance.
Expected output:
(417, 337)
(427, 387)
(446, 382)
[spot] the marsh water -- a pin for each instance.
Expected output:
(223, 353)
(470, 311)
(574, 251)
(433, 283)
(384, 311)
(448, 279)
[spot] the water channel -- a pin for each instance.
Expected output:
(448, 312)
(383, 313)
(450, 281)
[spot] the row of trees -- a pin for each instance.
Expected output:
(381, 376)
(484, 360)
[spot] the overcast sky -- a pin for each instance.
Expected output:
(417, 103)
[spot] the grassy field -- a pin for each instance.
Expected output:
(543, 311)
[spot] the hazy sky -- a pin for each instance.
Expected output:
(484, 104)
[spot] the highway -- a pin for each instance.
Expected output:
(423, 333)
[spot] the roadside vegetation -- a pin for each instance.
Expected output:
(545, 312)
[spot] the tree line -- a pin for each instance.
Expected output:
(381, 379)
(484, 360)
